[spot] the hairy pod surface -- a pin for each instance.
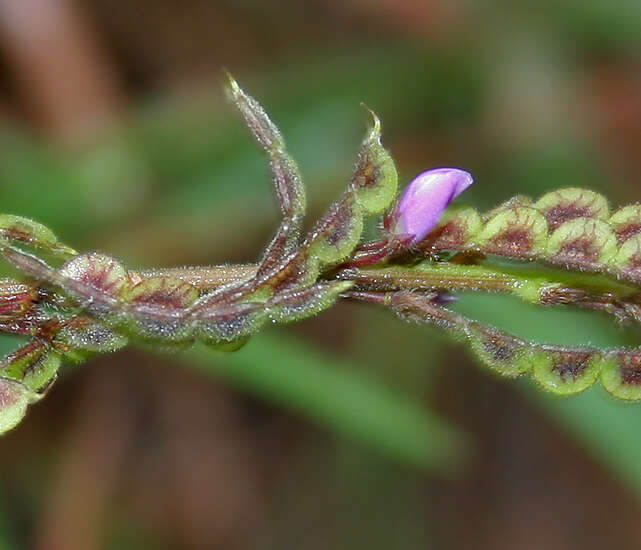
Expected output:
(15, 397)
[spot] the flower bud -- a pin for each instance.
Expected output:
(425, 199)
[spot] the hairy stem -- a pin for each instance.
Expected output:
(535, 285)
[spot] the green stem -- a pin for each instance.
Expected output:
(531, 283)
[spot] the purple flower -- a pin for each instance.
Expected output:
(425, 199)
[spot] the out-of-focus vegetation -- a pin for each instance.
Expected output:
(352, 430)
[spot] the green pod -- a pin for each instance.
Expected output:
(627, 261)
(98, 282)
(229, 347)
(582, 242)
(34, 364)
(566, 371)
(621, 375)
(626, 222)
(81, 337)
(16, 298)
(163, 292)
(221, 325)
(97, 271)
(513, 202)
(156, 310)
(455, 229)
(286, 178)
(15, 397)
(298, 304)
(505, 354)
(375, 179)
(338, 232)
(519, 232)
(566, 204)
(25, 230)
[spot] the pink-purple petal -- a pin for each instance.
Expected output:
(425, 199)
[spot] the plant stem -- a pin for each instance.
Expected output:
(534, 285)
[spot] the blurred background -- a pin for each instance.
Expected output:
(351, 430)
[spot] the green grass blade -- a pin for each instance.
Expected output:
(332, 394)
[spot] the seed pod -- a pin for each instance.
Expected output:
(97, 281)
(566, 371)
(512, 202)
(263, 129)
(375, 180)
(626, 222)
(621, 375)
(288, 184)
(454, 230)
(627, 261)
(156, 309)
(16, 299)
(24, 230)
(34, 364)
(81, 337)
(99, 272)
(338, 232)
(164, 292)
(519, 232)
(229, 347)
(298, 304)
(503, 353)
(563, 205)
(582, 242)
(228, 324)
(15, 397)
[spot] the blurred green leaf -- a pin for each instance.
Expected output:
(333, 394)
(6, 542)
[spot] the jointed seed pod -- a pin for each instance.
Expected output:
(570, 228)
(564, 249)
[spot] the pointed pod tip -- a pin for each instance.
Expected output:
(232, 85)
(375, 131)
(65, 250)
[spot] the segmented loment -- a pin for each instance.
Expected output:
(570, 227)
(564, 249)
